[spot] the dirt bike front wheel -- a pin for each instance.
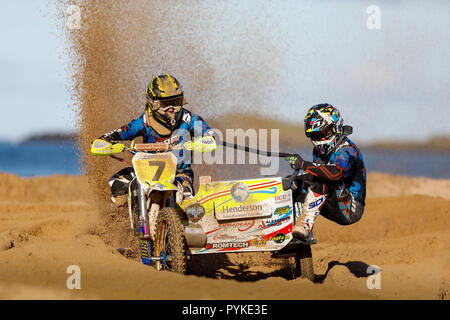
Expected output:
(170, 244)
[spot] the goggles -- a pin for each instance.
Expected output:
(322, 135)
(165, 105)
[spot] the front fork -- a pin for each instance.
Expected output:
(144, 232)
(143, 218)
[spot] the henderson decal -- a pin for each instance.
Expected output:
(246, 208)
(244, 211)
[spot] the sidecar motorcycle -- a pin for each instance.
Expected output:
(237, 216)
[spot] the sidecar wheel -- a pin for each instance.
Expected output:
(304, 263)
(170, 244)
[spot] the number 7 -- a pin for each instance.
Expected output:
(161, 166)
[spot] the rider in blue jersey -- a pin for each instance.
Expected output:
(164, 121)
(335, 181)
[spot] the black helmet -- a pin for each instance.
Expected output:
(165, 92)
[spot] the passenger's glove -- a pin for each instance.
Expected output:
(296, 162)
(285, 183)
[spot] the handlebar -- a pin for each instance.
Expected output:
(155, 147)
(148, 147)
(145, 147)
(293, 176)
(114, 147)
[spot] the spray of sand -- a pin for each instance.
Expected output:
(224, 60)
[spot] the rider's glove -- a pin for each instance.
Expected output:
(112, 136)
(296, 162)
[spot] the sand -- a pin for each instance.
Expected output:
(48, 224)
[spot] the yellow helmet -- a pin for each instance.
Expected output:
(165, 92)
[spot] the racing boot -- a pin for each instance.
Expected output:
(302, 229)
(184, 192)
(188, 193)
(119, 187)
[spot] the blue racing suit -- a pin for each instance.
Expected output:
(190, 126)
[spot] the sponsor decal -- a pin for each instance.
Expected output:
(282, 210)
(224, 236)
(244, 211)
(282, 198)
(316, 203)
(279, 237)
(226, 245)
(272, 222)
(158, 186)
(239, 192)
(258, 243)
(187, 117)
(242, 208)
(239, 225)
(144, 249)
(195, 212)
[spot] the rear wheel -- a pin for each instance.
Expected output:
(170, 244)
(304, 263)
(300, 264)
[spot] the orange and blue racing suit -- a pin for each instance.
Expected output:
(341, 178)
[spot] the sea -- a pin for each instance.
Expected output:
(50, 158)
(40, 158)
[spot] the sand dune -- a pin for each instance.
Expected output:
(48, 224)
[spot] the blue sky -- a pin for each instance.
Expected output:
(388, 83)
(33, 97)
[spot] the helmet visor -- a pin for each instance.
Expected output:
(164, 105)
(322, 135)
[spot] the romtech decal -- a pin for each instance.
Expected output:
(226, 245)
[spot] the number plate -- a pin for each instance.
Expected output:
(154, 168)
